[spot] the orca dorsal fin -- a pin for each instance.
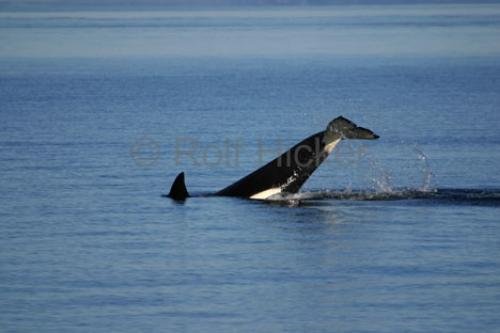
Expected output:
(178, 190)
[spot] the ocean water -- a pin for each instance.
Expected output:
(101, 109)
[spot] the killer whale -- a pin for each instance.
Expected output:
(289, 171)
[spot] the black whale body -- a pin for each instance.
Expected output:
(289, 171)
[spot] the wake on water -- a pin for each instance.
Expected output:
(460, 196)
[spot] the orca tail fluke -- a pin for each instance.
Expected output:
(178, 190)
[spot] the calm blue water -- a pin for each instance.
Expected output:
(100, 110)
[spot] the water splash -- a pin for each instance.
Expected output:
(382, 179)
(426, 170)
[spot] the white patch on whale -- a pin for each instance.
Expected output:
(266, 194)
(329, 147)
